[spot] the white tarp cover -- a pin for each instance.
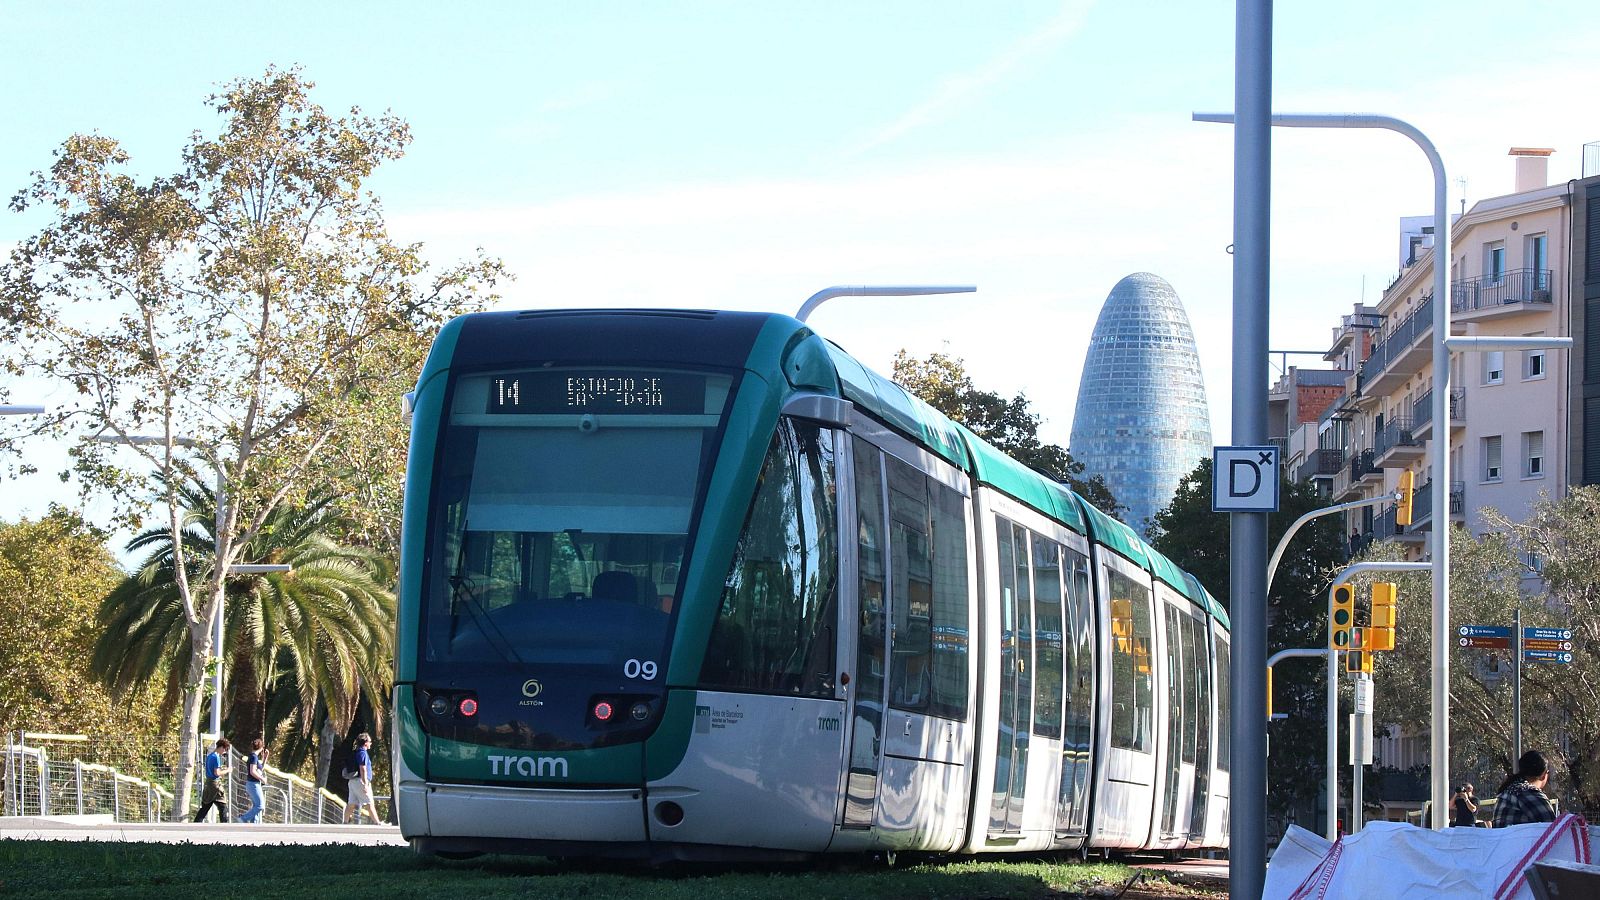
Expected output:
(1394, 859)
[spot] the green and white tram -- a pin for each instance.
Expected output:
(687, 584)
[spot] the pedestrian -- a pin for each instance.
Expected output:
(1463, 807)
(359, 777)
(1522, 798)
(255, 777)
(212, 794)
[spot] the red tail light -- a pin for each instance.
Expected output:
(603, 711)
(468, 707)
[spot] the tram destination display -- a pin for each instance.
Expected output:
(598, 391)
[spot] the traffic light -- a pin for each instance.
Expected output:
(1402, 507)
(1358, 661)
(1342, 618)
(1381, 635)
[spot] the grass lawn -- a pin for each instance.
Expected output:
(89, 870)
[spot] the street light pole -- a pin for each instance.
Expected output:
(22, 410)
(1440, 456)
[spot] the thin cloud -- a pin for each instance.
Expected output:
(963, 86)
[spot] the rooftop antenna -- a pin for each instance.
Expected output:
(1461, 184)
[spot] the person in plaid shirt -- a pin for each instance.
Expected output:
(1522, 798)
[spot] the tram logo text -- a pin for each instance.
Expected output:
(528, 766)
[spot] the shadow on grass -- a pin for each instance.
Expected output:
(105, 870)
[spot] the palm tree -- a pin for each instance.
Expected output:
(305, 646)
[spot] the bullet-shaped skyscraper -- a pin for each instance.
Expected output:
(1141, 422)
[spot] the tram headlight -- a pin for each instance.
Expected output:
(640, 711)
(439, 706)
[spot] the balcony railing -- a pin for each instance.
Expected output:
(1384, 526)
(1361, 464)
(1398, 340)
(1490, 291)
(1422, 500)
(1395, 433)
(1320, 463)
(1422, 410)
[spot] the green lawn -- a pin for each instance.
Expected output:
(89, 870)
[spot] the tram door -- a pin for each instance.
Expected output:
(1016, 680)
(872, 640)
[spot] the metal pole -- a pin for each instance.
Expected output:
(1252, 215)
(77, 774)
(1516, 688)
(216, 628)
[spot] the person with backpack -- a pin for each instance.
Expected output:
(358, 775)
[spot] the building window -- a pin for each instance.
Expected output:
(1491, 458)
(1533, 364)
(1494, 367)
(1494, 262)
(1539, 260)
(1533, 454)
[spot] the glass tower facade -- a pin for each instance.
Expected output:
(1141, 421)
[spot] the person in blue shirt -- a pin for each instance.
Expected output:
(359, 777)
(212, 794)
(255, 778)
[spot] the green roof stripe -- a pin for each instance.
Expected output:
(892, 403)
(1008, 476)
(1168, 571)
(1115, 535)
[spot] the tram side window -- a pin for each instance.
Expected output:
(1048, 632)
(1199, 717)
(774, 631)
(951, 602)
(1132, 687)
(1224, 712)
(911, 603)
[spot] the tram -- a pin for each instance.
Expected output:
(684, 584)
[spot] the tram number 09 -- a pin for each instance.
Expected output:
(645, 669)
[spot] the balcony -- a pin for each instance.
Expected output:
(1361, 467)
(1396, 445)
(1385, 528)
(1422, 504)
(1323, 463)
(1422, 413)
(1516, 291)
(1400, 354)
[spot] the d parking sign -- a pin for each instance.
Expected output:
(1244, 479)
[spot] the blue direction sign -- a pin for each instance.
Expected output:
(1550, 656)
(1488, 631)
(1547, 634)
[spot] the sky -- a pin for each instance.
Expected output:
(745, 155)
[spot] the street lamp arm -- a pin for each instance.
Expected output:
(867, 290)
(1461, 343)
(1283, 542)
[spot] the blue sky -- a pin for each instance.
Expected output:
(744, 155)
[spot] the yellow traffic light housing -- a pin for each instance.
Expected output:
(1342, 617)
(1381, 635)
(1358, 661)
(1402, 507)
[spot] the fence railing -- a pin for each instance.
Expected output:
(46, 775)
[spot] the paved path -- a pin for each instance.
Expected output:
(1205, 872)
(37, 829)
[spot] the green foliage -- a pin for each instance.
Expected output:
(250, 307)
(942, 382)
(302, 644)
(1197, 539)
(1490, 577)
(53, 572)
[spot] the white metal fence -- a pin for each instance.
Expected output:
(69, 775)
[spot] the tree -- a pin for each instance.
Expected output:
(941, 381)
(1197, 539)
(53, 572)
(248, 306)
(304, 645)
(1548, 566)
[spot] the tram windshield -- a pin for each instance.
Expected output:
(562, 514)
